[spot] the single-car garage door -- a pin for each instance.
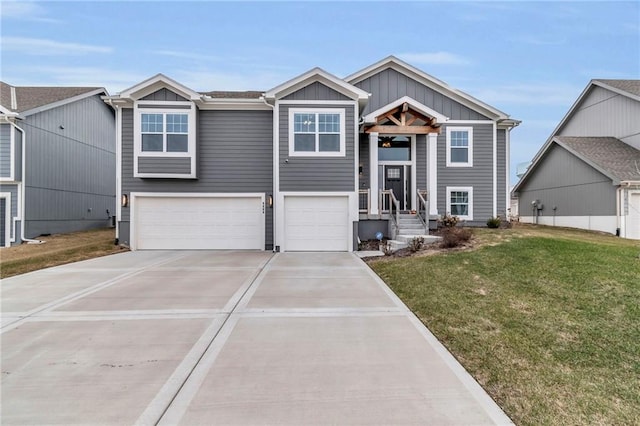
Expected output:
(316, 223)
(197, 222)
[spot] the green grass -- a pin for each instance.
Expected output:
(548, 324)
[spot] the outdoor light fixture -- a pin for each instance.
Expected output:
(125, 200)
(270, 201)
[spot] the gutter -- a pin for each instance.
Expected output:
(24, 185)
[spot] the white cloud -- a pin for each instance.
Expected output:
(433, 58)
(528, 94)
(25, 10)
(40, 46)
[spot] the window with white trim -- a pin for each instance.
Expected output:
(164, 132)
(460, 202)
(316, 132)
(459, 146)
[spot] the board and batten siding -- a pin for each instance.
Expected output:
(5, 150)
(421, 163)
(480, 176)
(563, 180)
(234, 151)
(317, 173)
(501, 155)
(316, 92)
(164, 95)
(622, 117)
(389, 85)
(70, 168)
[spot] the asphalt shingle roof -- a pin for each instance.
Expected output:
(610, 154)
(28, 98)
(629, 86)
(249, 94)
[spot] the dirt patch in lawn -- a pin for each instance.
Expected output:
(58, 249)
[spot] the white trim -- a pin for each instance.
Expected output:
(508, 170)
(157, 82)
(64, 102)
(470, 122)
(118, 168)
(373, 172)
(12, 156)
(414, 173)
(317, 152)
(321, 76)
(469, 131)
(276, 173)
(356, 152)
(495, 170)
(432, 169)
(133, 196)
(234, 105)
(373, 116)
(469, 190)
(7, 218)
(303, 103)
(137, 139)
(427, 80)
(151, 104)
(353, 199)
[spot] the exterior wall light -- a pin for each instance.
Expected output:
(124, 200)
(270, 201)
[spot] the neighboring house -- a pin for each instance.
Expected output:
(57, 161)
(306, 166)
(587, 174)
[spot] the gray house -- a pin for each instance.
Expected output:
(587, 174)
(57, 161)
(310, 165)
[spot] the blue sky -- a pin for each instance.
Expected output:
(529, 59)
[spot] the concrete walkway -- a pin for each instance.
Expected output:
(224, 338)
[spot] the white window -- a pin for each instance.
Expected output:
(164, 132)
(316, 133)
(459, 146)
(460, 202)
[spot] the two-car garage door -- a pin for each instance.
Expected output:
(199, 222)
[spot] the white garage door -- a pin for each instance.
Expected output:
(317, 223)
(633, 219)
(199, 223)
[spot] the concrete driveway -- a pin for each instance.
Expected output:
(224, 338)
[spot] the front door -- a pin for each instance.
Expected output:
(394, 180)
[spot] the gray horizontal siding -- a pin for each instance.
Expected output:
(70, 167)
(234, 155)
(502, 172)
(169, 165)
(421, 162)
(5, 150)
(389, 85)
(480, 176)
(164, 95)
(317, 173)
(575, 188)
(316, 92)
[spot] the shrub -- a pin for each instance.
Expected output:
(386, 249)
(455, 237)
(448, 221)
(416, 244)
(494, 222)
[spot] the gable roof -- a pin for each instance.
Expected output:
(431, 82)
(610, 156)
(629, 88)
(158, 82)
(319, 75)
(28, 100)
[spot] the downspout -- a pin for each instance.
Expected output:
(118, 213)
(275, 170)
(618, 212)
(24, 186)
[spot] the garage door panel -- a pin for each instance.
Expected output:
(633, 219)
(317, 223)
(199, 223)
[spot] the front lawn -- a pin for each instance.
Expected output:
(547, 320)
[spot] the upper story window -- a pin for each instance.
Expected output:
(459, 146)
(164, 131)
(316, 133)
